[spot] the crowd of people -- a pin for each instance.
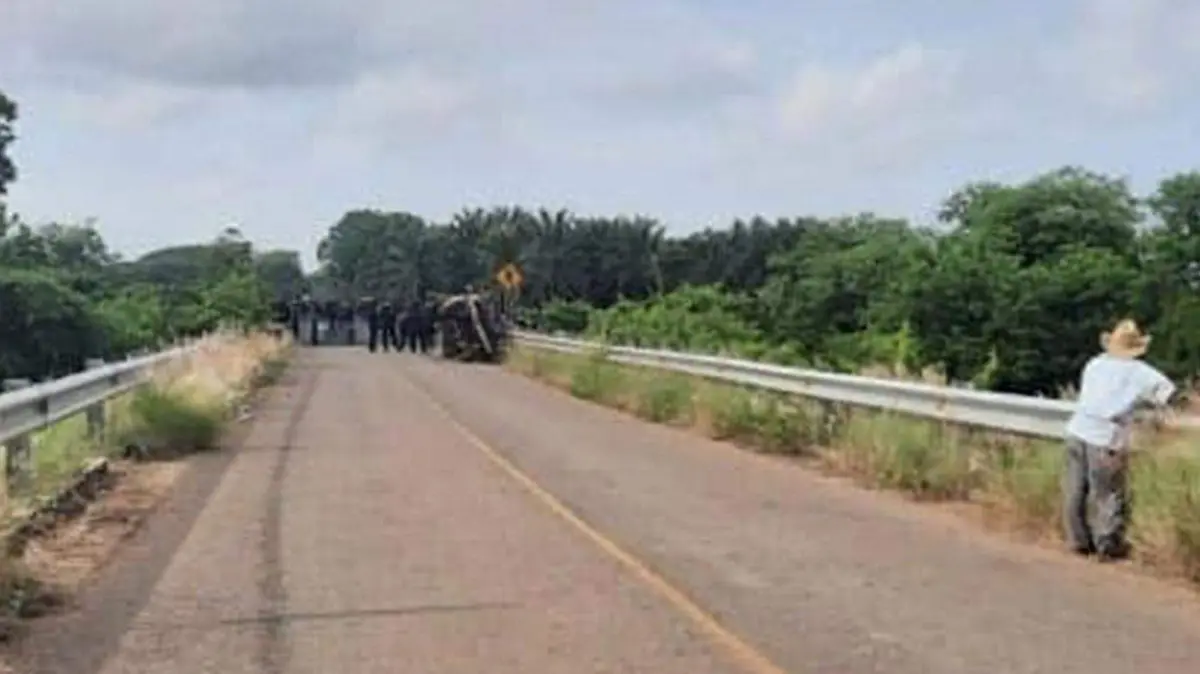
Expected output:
(413, 327)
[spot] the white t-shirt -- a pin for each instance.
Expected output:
(1110, 389)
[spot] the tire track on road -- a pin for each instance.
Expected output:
(273, 655)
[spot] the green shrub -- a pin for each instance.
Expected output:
(731, 413)
(1166, 508)
(923, 458)
(270, 372)
(597, 379)
(166, 422)
(784, 426)
(665, 398)
(1026, 477)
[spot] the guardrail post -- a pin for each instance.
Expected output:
(829, 423)
(95, 413)
(16, 450)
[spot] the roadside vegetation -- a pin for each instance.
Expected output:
(186, 406)
(1014, 482)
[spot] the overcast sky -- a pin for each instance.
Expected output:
(166, 120)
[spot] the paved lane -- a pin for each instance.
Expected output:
(374, 522)
(820, 576)
(358, 531)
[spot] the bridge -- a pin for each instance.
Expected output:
(389, 513)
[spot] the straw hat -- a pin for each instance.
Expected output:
(1125, 341)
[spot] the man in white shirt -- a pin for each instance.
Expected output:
(1112, 386)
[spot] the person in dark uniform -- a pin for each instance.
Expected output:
(371, 311)
(294, 310)
(346, 312)
(425, 326)
(410, 327)
(314, 320)
(329, 312)
(387, 324)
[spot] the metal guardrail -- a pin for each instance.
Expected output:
(1020, 415)
(26, 408)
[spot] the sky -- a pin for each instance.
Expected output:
(167, 121)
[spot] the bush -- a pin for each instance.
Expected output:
(270, 371)
(597, 380)
(556, 316)
(772, 423)
(923, 458)
(665, 398)
(167, 422)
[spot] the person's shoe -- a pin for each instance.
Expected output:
(1114, 553)
(1083, 550)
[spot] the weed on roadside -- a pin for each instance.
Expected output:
(924, 458)
(1022, 480)
(169, 422)
(598, 380)
(1166, 511)
(731, 414)
(665, 398)
(270, 372)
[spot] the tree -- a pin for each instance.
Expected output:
(1169, 289)
(1047, 217)
(281, 273)
(8, 170)
(47, 329)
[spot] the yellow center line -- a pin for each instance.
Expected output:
(745, 654)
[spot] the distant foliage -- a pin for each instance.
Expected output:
(64, 298)
(1009, 292)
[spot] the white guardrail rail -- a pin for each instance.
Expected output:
(26, 408)
(1021, 415)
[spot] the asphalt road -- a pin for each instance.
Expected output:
(400, 514)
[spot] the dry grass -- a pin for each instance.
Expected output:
(183, 408)
(1014, 481)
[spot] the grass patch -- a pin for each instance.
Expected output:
(270, 371)
(769, 422)
(1016, 480)
(926, 459)
(665, 398)
(598, 380)
(168, 422)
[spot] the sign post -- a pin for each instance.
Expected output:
(510, 278)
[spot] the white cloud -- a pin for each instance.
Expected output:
(402, 95)
(387, 108)
(130, 106)
(258, 43)
(1130, 55)
(892, 100)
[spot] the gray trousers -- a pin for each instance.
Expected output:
(1100, 475)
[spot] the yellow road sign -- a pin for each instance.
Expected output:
(509, 276)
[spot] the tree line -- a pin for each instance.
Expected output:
(1009, 290)
(65, 297)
